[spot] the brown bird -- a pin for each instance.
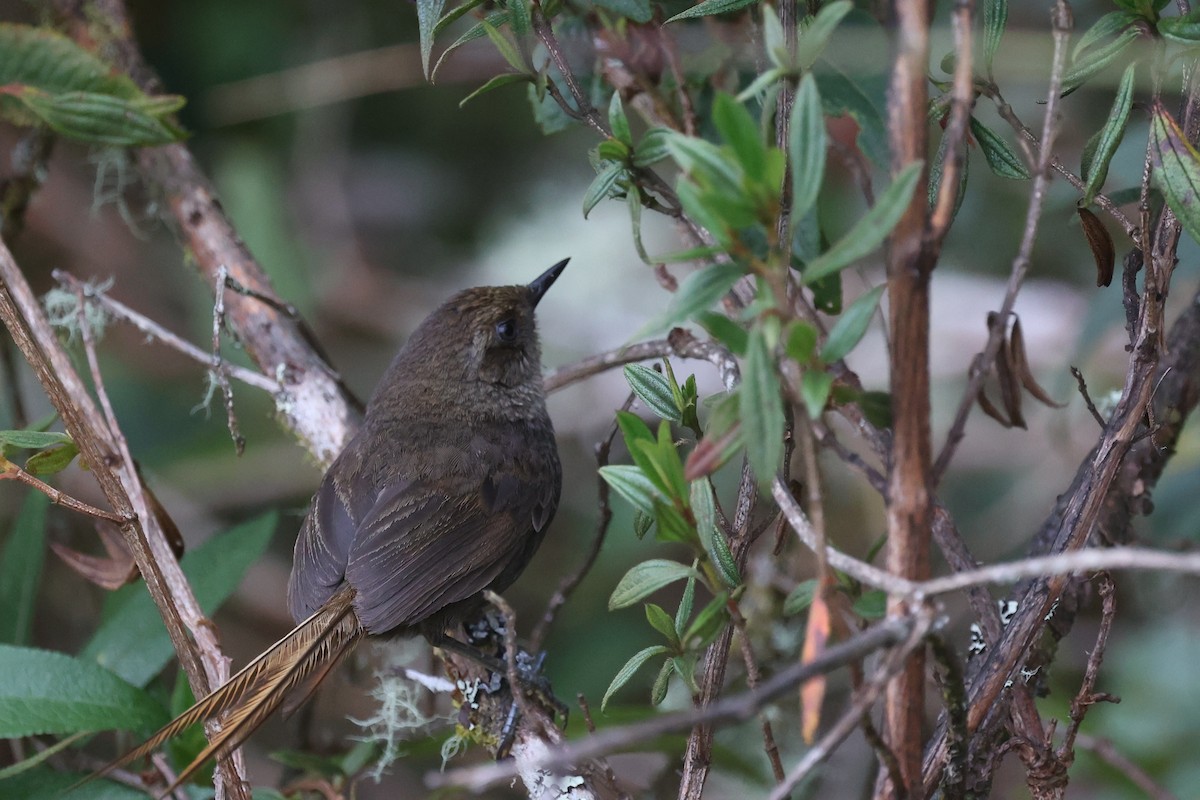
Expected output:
(445, 491)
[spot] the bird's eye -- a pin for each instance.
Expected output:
(506, 330)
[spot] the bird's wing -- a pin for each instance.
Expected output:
(423, 547)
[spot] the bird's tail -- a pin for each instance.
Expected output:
(301, 659)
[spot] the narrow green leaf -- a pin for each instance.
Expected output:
(33, 440)
(995, 17)
(724, 330)
(505, 46)
(739, 130)
(1176, 168)
(685, 668)
(632, 484)
(39, 757)
(618, 121)
(662, 682)
(763, 82)
(840, 94)
(661, 621)
(652, 388)
(652, 148)
(636, 10)
(698, 292)
(801, 343)
(652, 463)
(43, 783)
(45, 692)
(633, 202)
(695, 203)
(807, 142)
(761, 408)
(21, 569)
(672, 527)
(642, 523)
(631, 667)
(1110, 135)
(518, 12)
(848, 331)
(877, 408)
(496, 82)
(455, 14)
(708, 622)
(48, 462)
(645, 579)
(870, 231)
(690, 254)
(872, 604)
(94, 118)
(800, 598)
(1003, 160)
(633, 429)
(132, 641)
(612, 150)
(685, 606)
(814, 38)
(496, 19)
(704, 509)
(814, 391)
(601, 186)
(1108, 25)
(670, 463)
(704, 162)
(710, 7)
(1097, 59)
(774, 39)
(428, 13)
(1185, 29)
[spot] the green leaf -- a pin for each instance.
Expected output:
(698, 292)
(601, 186)
(764, 81)
(522, 22)
(505, 46)
(632, 484)
(93, 117)
(1002, 159)
(708, 622)
(1110, 136)
(761, 408)
(33, 440)
(724, 330)
(1185, 29)
(44, 692)
(814, 391)
(494, 83)
(814, 38)
(669, 462)
(877, 408)
(631, 667)
(1097, 59)
(685, 606)
(662, 682)
(40, 57)
(652, 148)
(38, 757)
(1176, 169)
(48, 462)
(454, 15)
(652, 388)
(428, 13)
(43, 783)
(937, 174)
(840, 95)
(1108, 25)
(848, 331)
(21, 569)
(642, 523)
(633, 429)
(618, 121)
(496, 19)
(612, 150)
(800, 598)
(704, 162)
(807, 142)
(995, 17)
(672, 527)
(131, 640)
(870, 231)
(704, 509)
(801, 342)
(636, 10)
(645, 579)
(774, 40)
(872, 604)
(710, 7)
(695, 203)
(739, 130)
(685, 668)
(661, 621)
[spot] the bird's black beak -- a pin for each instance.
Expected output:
(546, 280)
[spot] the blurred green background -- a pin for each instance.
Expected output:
(369, 196)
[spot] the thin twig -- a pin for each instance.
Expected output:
(602, 362)
(753, 676)
(217, 364)
(153, 330)
(737, 708)
(10, 471)
(1086, 697)
(955, 133)
(1087, 398)
(515, 683)
(1106, 752)
(1020, 266)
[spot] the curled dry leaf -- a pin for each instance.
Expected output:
(1021, 365)
(812, 691)
(109, 573)
(1101, 244)
(1010, 388)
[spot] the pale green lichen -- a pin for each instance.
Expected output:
(62, 310)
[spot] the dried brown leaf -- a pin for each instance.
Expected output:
(812, 691)
(1021, 365)
(111, 572)
(1010, 385)
(1101, 244)
(986, 406)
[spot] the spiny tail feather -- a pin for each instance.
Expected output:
(248, 698)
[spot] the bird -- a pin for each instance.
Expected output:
(445, 491)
